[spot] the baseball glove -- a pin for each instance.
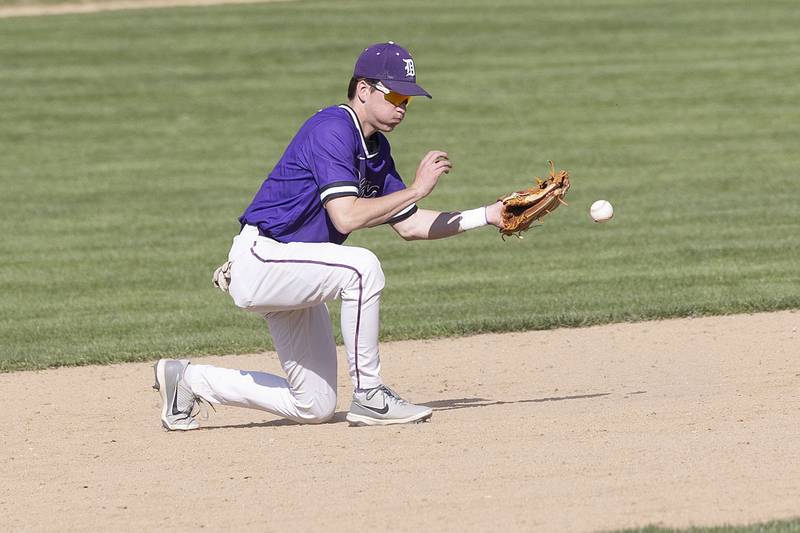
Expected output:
(522, 208)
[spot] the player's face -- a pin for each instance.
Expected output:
(388, 110)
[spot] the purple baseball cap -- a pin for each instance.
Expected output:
(392, 65)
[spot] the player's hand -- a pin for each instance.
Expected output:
(494, 214)
(222, 277)
(433, 165)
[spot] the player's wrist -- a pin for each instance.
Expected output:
(494, 214)
(417, 193)
(473, 218)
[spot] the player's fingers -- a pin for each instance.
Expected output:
(433, 155)
(440, 165)
(443, 165)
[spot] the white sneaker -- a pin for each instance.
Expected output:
(177, 400)
(382, 406)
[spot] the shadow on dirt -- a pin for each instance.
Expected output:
(465, 403)
(436, 405)
(267, 424)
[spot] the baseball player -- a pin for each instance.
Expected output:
(336, 176)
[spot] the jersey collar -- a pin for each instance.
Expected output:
(360, 132)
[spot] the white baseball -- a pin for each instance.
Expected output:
(601, 211)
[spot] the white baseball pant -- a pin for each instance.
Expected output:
(289, 284)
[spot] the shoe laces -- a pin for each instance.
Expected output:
(200, 407)
(389, 393)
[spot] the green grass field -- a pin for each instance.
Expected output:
(132, 140)
(778, 526)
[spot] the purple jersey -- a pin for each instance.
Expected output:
(328, 158)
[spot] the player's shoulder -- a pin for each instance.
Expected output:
(331, 122)
(335, 116)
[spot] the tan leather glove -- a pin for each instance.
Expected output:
(523, 208)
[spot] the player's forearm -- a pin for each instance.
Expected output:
(429, 225)
(349, 213)
(373, 211)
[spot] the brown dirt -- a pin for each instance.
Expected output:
(677, 422)
(34, 9)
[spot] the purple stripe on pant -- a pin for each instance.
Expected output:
(335, 265)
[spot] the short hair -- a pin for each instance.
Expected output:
(351, 89)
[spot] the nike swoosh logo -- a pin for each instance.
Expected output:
(379, 411)
(175, 402)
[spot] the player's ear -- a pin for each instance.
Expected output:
(363, 90)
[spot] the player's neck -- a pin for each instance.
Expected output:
(366, 127)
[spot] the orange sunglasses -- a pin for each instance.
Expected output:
(396, 99)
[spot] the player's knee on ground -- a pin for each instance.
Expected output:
(319, 410)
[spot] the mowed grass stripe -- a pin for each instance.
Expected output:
(776, 526)
(131, 141)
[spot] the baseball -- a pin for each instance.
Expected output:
(601, 211)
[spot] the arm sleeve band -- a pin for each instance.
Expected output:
(472, 218)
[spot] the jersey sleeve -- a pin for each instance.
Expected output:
(394, 183)
(333, 153)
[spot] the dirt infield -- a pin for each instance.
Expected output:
(678, 422)
(34, 9)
